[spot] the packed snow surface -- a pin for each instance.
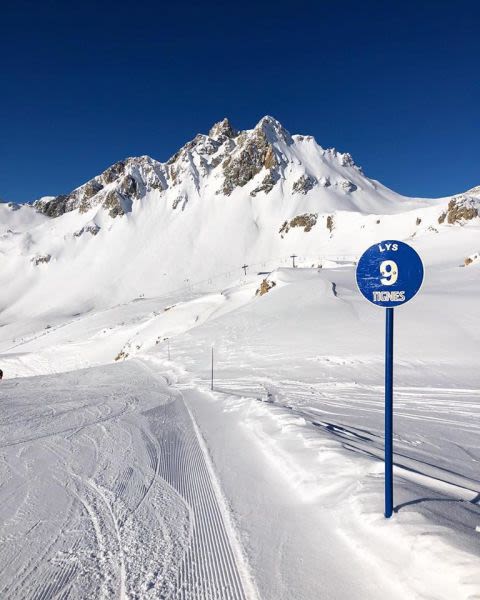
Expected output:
(124, 475)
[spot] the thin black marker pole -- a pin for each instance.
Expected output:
(211, 387)
(389, 413)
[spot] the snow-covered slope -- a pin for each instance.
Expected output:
(294, 427)
(223, 200)
(136, 276)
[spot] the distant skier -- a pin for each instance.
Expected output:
(1, 374)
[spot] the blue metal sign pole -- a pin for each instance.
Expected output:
(389, 274)
(389, 413)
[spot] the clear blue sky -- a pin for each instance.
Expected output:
(84, 84)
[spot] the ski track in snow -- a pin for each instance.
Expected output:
(210, 569)
(112, 498)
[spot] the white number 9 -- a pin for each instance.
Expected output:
(389, 272)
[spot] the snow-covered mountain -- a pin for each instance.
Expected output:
(225, 199)
(266, 162)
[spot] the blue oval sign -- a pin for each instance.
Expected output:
(389, 273)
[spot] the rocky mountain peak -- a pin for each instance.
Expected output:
(260, 160)
(273, 130)
(222, 129)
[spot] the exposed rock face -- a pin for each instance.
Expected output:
(91, 188)
(304, 184)
(129, 186)
(92, 229)
(114, 189)
(265, 287)
(346, 160)
(343, 159)
(267, 184)
(273, 130)
(347, 186)
(254, 153)
(114, 203)
(41, 259)
(182, 199)
(198, 158)
(122, 355)
(201, 145)
(222, 129)
(307, 221)
(114, 172)
(55, 207)
(473, 258)
(461, 208)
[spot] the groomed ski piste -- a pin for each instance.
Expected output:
(115, 494)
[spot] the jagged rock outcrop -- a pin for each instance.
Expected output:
(304, 184)
(267, 185)
(460, 209)
(182, 199)
(473, 258)
(254, 153)
(54, 207)
(344, 159)
(324, 181)
(265, 287)
(114, 190)
(41, 259)
(307, 221)
(115, 203)
(222, 129)
(92, 229)
(347, 186)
